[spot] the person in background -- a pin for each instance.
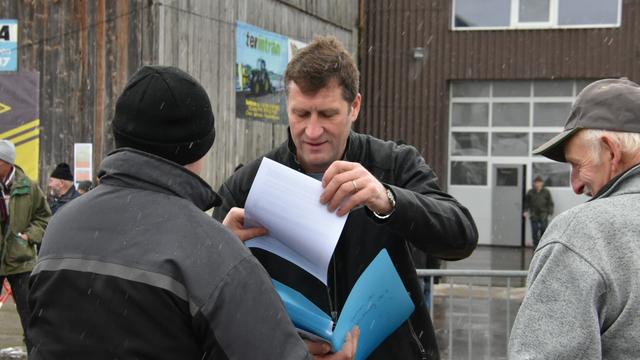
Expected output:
(61, 188)
(390, 193)
(538, 206)
(135, 269)
(583, 297)
(84, 186)
(24, 214)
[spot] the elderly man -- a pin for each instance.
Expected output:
(390, 193)
(24, 214)
(61, 187)
(583, 300)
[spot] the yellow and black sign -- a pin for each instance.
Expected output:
(20, 119)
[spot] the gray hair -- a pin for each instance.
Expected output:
(629, 142)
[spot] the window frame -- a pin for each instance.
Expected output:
(516, 24)
(576, 86)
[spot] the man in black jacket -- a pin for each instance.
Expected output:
(135, 269)
(389, 192)
(61, 188)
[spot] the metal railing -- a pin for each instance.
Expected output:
(487, 332)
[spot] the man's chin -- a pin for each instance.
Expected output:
(317, 163)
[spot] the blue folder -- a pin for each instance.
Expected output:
(378, 304)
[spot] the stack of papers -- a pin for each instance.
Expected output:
(304, 232)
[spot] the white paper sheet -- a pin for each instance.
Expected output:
(301, 229)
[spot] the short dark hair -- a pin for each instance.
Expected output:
(323, 60)
(538, 178)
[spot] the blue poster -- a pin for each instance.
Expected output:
(8, 45)
(261, 59)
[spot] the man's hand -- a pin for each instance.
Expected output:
(348, 184)
(234, 221)
(321, 351)
(24, 236)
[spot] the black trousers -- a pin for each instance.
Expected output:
(20, 288)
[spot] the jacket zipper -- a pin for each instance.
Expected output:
(333, 304)
(423, 353)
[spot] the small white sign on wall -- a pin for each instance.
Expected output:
(82, 162)
(8, 45)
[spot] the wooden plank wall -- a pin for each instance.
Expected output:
(199, 37)
(84, 51)
(408, 99)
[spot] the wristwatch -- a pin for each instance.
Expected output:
(392, 200)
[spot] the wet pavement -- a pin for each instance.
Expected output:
(11, 345)
(473, 316)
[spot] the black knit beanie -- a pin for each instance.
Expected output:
(165, 112)
(62, 172)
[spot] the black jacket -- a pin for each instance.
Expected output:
(539, 203)
(58, 202)
(430, 219)
(135, 269)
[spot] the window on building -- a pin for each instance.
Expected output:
(470, 114)
(501, 122)
(532, 14)
(541, 138)
(510, 114)
(533, 11)
(487, 13)
(510, 144)
(585, 12)
(469, 173)
(554, 174)
(550, 113)
(469, 143)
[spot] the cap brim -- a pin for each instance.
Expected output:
(554, 148)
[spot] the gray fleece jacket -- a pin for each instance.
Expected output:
(583, 300)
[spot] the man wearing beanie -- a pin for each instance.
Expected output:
(24, 214)
(135, 269)
(61, 187)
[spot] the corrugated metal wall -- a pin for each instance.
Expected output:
(406, 98)
(86, 50)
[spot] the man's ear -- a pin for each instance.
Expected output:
(611, 150)
(355, 107)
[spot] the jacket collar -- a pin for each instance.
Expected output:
(616, 183)
(136, 169)
(72, 193)
(351, 154)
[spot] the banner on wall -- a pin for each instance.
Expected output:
(294, 47)
(261, 60)
(8, 45)
(82, 162)
(20, 119)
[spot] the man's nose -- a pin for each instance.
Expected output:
(576, 184)
(314, 128)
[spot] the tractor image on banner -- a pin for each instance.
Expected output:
(19, 118)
